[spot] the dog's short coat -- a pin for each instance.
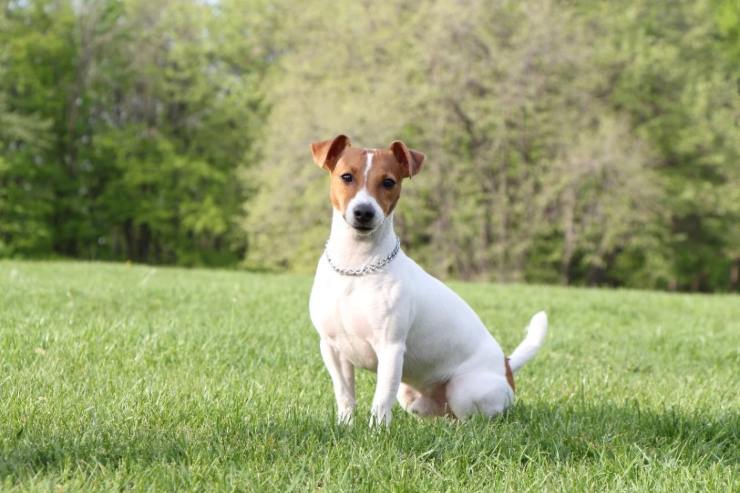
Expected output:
(429, 348)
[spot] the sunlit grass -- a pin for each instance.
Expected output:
(119, 377)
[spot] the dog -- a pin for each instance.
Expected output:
(375, 308)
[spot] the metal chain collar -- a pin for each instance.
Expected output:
(367, 269)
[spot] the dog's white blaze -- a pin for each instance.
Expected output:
(364, 197)
(368, 165)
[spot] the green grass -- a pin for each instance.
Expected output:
(139, 378)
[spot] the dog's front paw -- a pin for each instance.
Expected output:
(379, 417)
(345, 416)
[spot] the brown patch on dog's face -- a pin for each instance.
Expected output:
(342, 190)
(382, 181)
(365, 183)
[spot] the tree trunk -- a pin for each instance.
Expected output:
(569, 235)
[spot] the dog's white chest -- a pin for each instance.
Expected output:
(352, 315)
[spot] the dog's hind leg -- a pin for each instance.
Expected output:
(419, 404)
(479, 393)
(407, 395)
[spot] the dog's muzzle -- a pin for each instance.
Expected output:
(363, 216)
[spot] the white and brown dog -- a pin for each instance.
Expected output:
(375, 308)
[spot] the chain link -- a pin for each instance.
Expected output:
(367, 269)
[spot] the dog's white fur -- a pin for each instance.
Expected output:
(415, 332)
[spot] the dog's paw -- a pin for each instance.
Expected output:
(345, 416)
(380, 418)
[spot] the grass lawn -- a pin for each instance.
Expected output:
(139, 378)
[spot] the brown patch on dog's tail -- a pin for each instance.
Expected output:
(509, 374)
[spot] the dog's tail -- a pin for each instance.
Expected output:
(532, 342)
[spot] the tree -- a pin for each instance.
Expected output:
(152, 109)
(521, 151)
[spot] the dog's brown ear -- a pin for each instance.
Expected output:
(327, 152)
(410, 159)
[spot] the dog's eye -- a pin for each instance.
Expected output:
(389, 183)
(346, 178)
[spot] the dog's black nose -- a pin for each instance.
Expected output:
(364, 214)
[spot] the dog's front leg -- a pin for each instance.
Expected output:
(343, 378)
(390, 368)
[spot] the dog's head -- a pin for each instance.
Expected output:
(365, 183)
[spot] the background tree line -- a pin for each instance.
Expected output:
(568, 141)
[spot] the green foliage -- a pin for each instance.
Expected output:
(147, 122)
(25, 196)
(156, 379)
(583, 143)
(684, 100)
(587, 143)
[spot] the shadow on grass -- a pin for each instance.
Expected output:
(536, 433)
(587, 432)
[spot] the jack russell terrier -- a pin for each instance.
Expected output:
(375, 308)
